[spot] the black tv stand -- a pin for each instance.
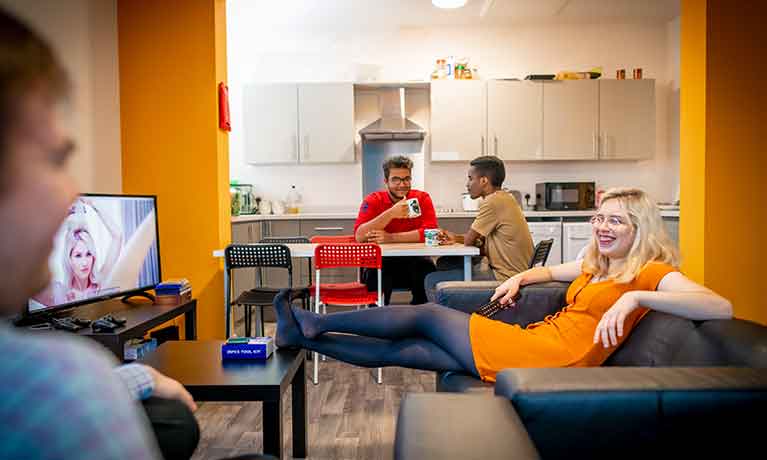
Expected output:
(137, 294)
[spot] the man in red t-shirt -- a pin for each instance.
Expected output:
(383, 218)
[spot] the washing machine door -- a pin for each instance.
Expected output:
(576, 236)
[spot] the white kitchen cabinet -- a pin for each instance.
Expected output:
(306, 123)
(458, 120)
(270, 123)
(570, 119)
(548, 230)
(515, 119)
(627, 119)
(326, 122)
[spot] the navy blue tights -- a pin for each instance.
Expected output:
(429, 336)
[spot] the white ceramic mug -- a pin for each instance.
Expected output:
(413, 208)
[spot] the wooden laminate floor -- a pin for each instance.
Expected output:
(350, 416)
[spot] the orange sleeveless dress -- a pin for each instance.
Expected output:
(565, 339)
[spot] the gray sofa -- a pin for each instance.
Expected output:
(697, 386)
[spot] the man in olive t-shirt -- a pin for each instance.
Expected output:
(508, 244)
(499, 230)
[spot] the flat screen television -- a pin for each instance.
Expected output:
(107, 247)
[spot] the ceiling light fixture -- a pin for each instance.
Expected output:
(448, 4)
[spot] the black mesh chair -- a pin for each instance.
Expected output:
(291, 240)
(238, 256)
(541, 253)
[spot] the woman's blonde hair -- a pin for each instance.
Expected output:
(74, 236)
(651, 240)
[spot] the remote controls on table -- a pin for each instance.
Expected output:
(65, 324)
(114, 319)
(108, 323)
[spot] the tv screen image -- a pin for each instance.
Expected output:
(107, 246)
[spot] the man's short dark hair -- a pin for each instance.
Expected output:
(27, 62)
(490, 167)
(400, 161)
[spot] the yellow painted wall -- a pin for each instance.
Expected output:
(736, 155)
(172, 56)
(692, 139)
(723, 159)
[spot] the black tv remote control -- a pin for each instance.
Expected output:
(491, 308)
(102, 325)
(114, 319)
(80, 321)
(65, 324)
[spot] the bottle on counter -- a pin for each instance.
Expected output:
(293, 201)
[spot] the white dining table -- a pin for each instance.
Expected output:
(306, 250)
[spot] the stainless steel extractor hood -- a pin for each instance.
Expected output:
(393, 125)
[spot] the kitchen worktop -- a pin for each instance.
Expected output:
(440, 215)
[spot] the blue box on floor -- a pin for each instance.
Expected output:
(260, 348)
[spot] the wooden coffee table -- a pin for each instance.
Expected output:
(198, 366)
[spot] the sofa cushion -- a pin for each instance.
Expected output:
(588, 412)
(733, 342)
(654, 341)
(459, 427)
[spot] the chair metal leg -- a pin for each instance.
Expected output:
(260, 321)
(247, 320)
(316, 359)
(324, 312)
(316, 376)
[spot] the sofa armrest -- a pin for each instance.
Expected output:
(465, 296)
(450, 426)
(536, 301)
(637, 406)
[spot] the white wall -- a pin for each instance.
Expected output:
(84, 34)
(257, 53)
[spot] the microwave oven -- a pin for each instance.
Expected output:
(560, 196)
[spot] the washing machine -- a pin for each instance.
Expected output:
(548, 230)
(575, 237)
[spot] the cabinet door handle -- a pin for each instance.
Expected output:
(496, 145)
(604, 144)
(328, 229)
(594, 143)
(306, 146)
(296, 146)
(483, 145)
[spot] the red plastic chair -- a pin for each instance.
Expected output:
(339, 255)
(354, 288)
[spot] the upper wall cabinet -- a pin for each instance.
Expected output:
(570, 120)
(458, 120)
(627, 119)
(515, 119)
(270, 123)
(306, 123)
(326, 122)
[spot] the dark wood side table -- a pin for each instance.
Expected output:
(198, 366)
(141, 316)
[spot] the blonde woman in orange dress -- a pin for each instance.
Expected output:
(630, 268)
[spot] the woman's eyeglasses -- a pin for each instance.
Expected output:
(612, 221)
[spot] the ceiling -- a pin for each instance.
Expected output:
(421, 13)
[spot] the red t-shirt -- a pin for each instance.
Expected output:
(378, 202)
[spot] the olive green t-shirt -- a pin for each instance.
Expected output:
(508, 244)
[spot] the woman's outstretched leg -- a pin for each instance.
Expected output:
(445, 328)
(372, 352)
